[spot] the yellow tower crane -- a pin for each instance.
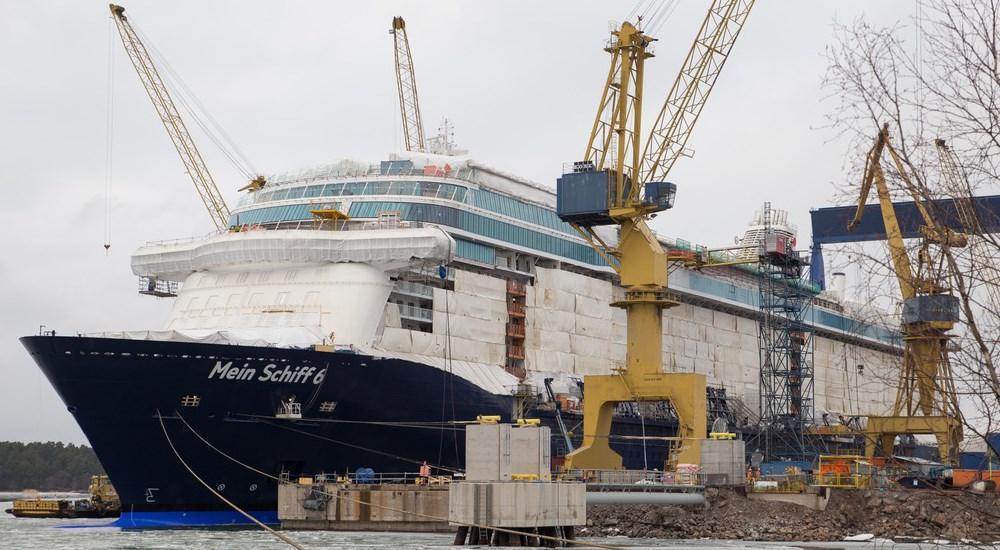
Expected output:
(612, 186)
(406, 84)
(172, 121)
(926, 402)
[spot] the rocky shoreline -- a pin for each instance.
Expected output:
(904, 516)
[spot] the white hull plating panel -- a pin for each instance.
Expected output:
(572, 329)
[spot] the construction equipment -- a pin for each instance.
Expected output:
(926, 402)
(406, 84)
(559, 419)
(172, 121)
(613, 186)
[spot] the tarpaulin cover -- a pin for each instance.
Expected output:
(387, 249)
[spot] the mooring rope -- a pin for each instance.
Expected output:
(249, 516)
(566, 541)
(359, 447)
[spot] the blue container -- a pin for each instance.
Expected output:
(972, 460)
(584, 197)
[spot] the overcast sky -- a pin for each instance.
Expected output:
(304, 83)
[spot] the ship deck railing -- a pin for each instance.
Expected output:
(374, 170)
(312, 224)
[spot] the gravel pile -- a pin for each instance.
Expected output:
(899, 515)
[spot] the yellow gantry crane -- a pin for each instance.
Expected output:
(616, 183)
(926, 402)
(406, 84)
(172, 121)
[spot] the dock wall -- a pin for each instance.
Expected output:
(422, 508)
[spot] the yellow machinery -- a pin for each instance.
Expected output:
(926, 402)
(614, 185)
(844, 472)
(194, 165)
(406, 84)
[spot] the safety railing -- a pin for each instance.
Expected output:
(515, 330)
(413, 289)
(515, 309)
(373, 170)
(843, 481)
(787, 483)
(636, 479)
(413, 312)
(185, 240)
(380, 478)
(516, 288)
(515, 352)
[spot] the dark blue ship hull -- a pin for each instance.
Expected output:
(227, 397)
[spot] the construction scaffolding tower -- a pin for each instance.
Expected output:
(785, 341)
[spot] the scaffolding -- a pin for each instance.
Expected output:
(785, 342)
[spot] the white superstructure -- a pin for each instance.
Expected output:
(523, 294)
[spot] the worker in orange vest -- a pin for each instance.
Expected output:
(425, 470)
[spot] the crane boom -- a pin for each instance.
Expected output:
(406, 84)
(694, 83)
(172, 121)
(873, 174)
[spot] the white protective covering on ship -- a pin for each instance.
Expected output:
(387, 249)
(285, 337)
(289, 288)
(572, 330)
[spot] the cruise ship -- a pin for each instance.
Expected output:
(356, 315)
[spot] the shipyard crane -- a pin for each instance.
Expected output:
(958, 187)
(172, 121)
(615, 185)
(926, 402)
(406, 84)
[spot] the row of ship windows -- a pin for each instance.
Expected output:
(475, 251)
(412, 188)
(480, 225)
(443, 215)
(488, 200)
(539, 215)
(291, 212)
